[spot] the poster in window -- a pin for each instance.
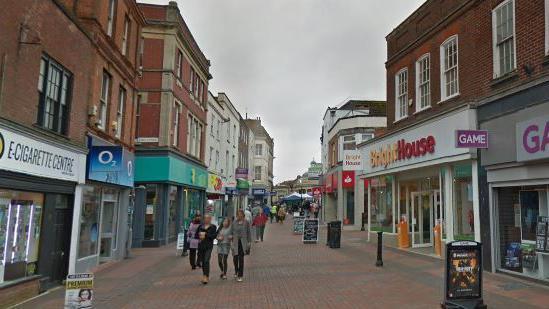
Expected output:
(463, 270)
(541, 234)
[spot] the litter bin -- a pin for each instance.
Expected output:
(335, 234)
(329, 234)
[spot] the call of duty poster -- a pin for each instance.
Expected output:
(464, 272)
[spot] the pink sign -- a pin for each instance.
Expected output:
(472, 139)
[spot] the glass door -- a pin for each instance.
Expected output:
(109, 223)
(422, 219)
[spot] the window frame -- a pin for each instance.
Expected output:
(443, 95)
(104, 101)
(111, 18)
(419, 84)
(179, 63)
(176, 123)
(60, 119)
(495, 47)
(257, 176)
(260, 148)
(126, 35)
(122, 98)
(399, 95)
(349, 142)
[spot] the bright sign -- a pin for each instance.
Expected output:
(402, 150)
(352, 160)
(533, 139)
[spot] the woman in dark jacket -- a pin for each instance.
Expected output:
(207, 233)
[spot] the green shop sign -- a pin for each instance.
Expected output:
(170, 169)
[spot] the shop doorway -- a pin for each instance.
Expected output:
(426, 211)
(351, 207)
(109, 224)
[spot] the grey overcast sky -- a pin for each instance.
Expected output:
(286, 61)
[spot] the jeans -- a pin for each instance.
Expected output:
(222, 260)
(260, 230)
(238, 261)
(205, 254)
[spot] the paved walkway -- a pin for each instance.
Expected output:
(284, 273)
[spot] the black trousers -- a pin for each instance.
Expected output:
(222, 260)
(192, 257)
(260, 232)
(205, 255)
(238, 260)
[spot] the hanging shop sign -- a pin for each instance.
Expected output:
(463, 271)
(215, 183)
(241, 173)
(348, 179)
(258, 191)
(79, 291)
(352, 160)
(424, 142)
(317, 191)
(472, 139)
(111, 164)
(22, 154)
(532, 138)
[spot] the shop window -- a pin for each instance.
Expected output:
(172, 219)
(381, 204)
(109, 222)
(150, 211)
(520, 209)
(464, 219)
(20, 223)
(89, 222)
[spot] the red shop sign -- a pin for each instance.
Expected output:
(348, 179)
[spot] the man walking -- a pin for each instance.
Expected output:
(273, 212)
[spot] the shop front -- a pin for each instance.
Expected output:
(517, 167)
(329, 208)
(40, 183)
(422, 182)
(105, 214)
(170, 190)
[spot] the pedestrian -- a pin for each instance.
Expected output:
(240, 246)
(266, 211)
(248, 215)
(192, 241)
(281, 215)
(207, 232)
(224, 239)
(255, 210)
(259, 224)
(273, 213)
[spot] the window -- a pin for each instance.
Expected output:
(227, 163)
(234, 166)
(89, 221)
(349, 142)
(401, 82)
(196, 82)
(423, 83)
(257, 173)
(503, 29)
(104, 101)
(110, 17)
(191, 85)
(218, 126)
(258, 149)
(228, 132)
(190, 135)
(54, 87)
(234, 135)
(449, 68)
(199, 129)
(179, 64)
(547, 27)
(126, 36)
(211, 156)
(216, 159)
(194, 136)
(175, 123)
(367, 136)
(212, 125)
(120, 112)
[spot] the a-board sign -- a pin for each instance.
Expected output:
(463, 271)
(541, 234)
(180, 241)
(310, 230)
(79, 291)
(298, 224)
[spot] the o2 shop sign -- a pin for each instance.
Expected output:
(110, 164)
(402, 150)
(533, 139)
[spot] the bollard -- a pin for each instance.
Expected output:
(379, 262)
(362, 229)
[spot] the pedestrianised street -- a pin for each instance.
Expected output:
(282, 272)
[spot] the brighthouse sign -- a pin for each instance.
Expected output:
(352, 160)
(402, 150)
(26, 155)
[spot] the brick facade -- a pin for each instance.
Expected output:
(29, 30)
(109, 57)
(471, 20)
(165, 82)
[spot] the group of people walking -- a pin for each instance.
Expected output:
(232, 236)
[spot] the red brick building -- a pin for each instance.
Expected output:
(171, 124)
(101, 226)
(454, 67)
(44, 94)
